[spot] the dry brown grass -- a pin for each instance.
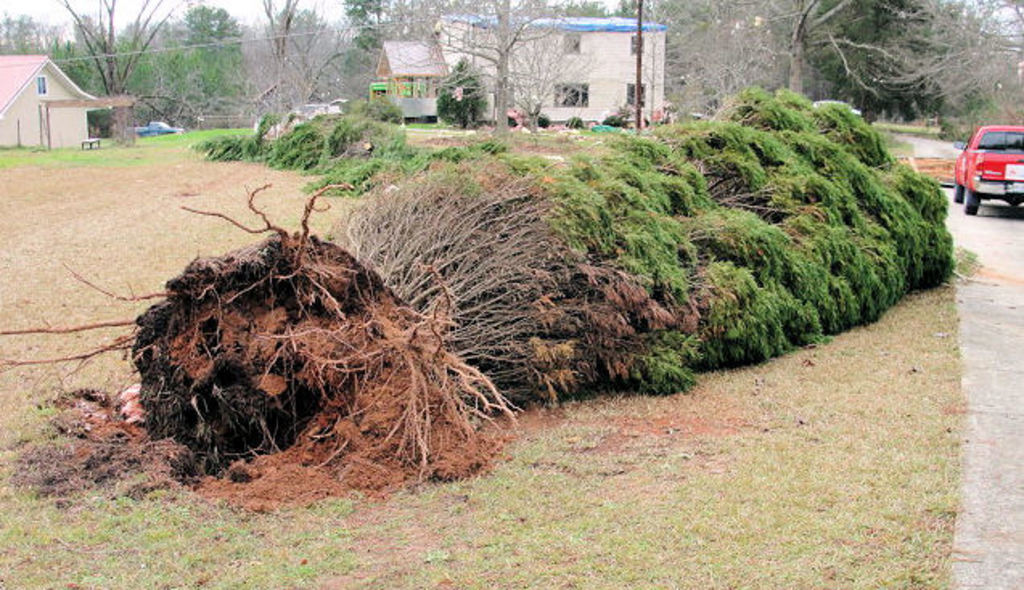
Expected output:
(123, 229)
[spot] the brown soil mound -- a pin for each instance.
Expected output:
(289, 364)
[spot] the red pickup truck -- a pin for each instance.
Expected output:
(991, 166)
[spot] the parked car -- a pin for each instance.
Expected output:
(990, 166)
(157, 128)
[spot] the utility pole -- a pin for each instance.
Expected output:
(639, 87)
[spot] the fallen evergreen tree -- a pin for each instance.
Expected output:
(698, 246)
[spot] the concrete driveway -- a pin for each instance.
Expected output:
(988, 548)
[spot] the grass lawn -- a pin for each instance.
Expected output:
(906, 129)
(148, 150)
(896, 146)
(835, 466)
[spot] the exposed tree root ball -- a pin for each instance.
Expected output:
(293, 349)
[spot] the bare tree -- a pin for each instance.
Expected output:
(116, 54)
(302, 59)
(714, 49)
(491, 37)
(945, 51)
(805, 18)
(537, 69)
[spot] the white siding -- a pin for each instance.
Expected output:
(605, 63)
(611, 67)
(68, 126)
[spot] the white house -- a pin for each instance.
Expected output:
(27, 84)
(584, 67)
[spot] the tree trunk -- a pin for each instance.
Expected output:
(501, 85)
(121, 126)
(501, 96)
(796, 66)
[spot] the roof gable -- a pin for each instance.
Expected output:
(410, 58)
(18, 71)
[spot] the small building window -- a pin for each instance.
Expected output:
(41, 85)
(572, 43)
(631, 94)
(632, 45)
(572, 95)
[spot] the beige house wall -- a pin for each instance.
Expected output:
(68, 126)
(605, 63)
(609, 67)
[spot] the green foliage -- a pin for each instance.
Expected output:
(666, 367)
(615, 121)
(575, 123)
(303, 148)
(202, 76)
(461, 98)
(623, 210)
(230, 148)
(338, 146)
(380, 109)
(800, 225)
(879, 39)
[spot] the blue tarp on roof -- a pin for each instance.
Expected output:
(581, 24)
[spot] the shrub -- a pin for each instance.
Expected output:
(543, 121)
(378, 109)
(575, 123)
(614, 121)
(461, 98)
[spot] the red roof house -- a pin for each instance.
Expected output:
(27, 84)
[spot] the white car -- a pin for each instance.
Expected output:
(820, 103)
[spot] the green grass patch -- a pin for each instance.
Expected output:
(907, 129)
(429, 126)
(898, 147)
(147, 150)
(967, 263)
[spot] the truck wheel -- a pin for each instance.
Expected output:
(958, 194)
(971, 202)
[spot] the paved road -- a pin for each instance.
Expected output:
(930, 148)
(988, 548)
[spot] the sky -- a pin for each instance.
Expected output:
(247, 11)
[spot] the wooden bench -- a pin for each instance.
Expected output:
(91, 143)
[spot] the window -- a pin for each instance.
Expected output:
(1002, 141)
(572, 95)
(632, 45)
(41, 85)
(572, 43)
(631, 94)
